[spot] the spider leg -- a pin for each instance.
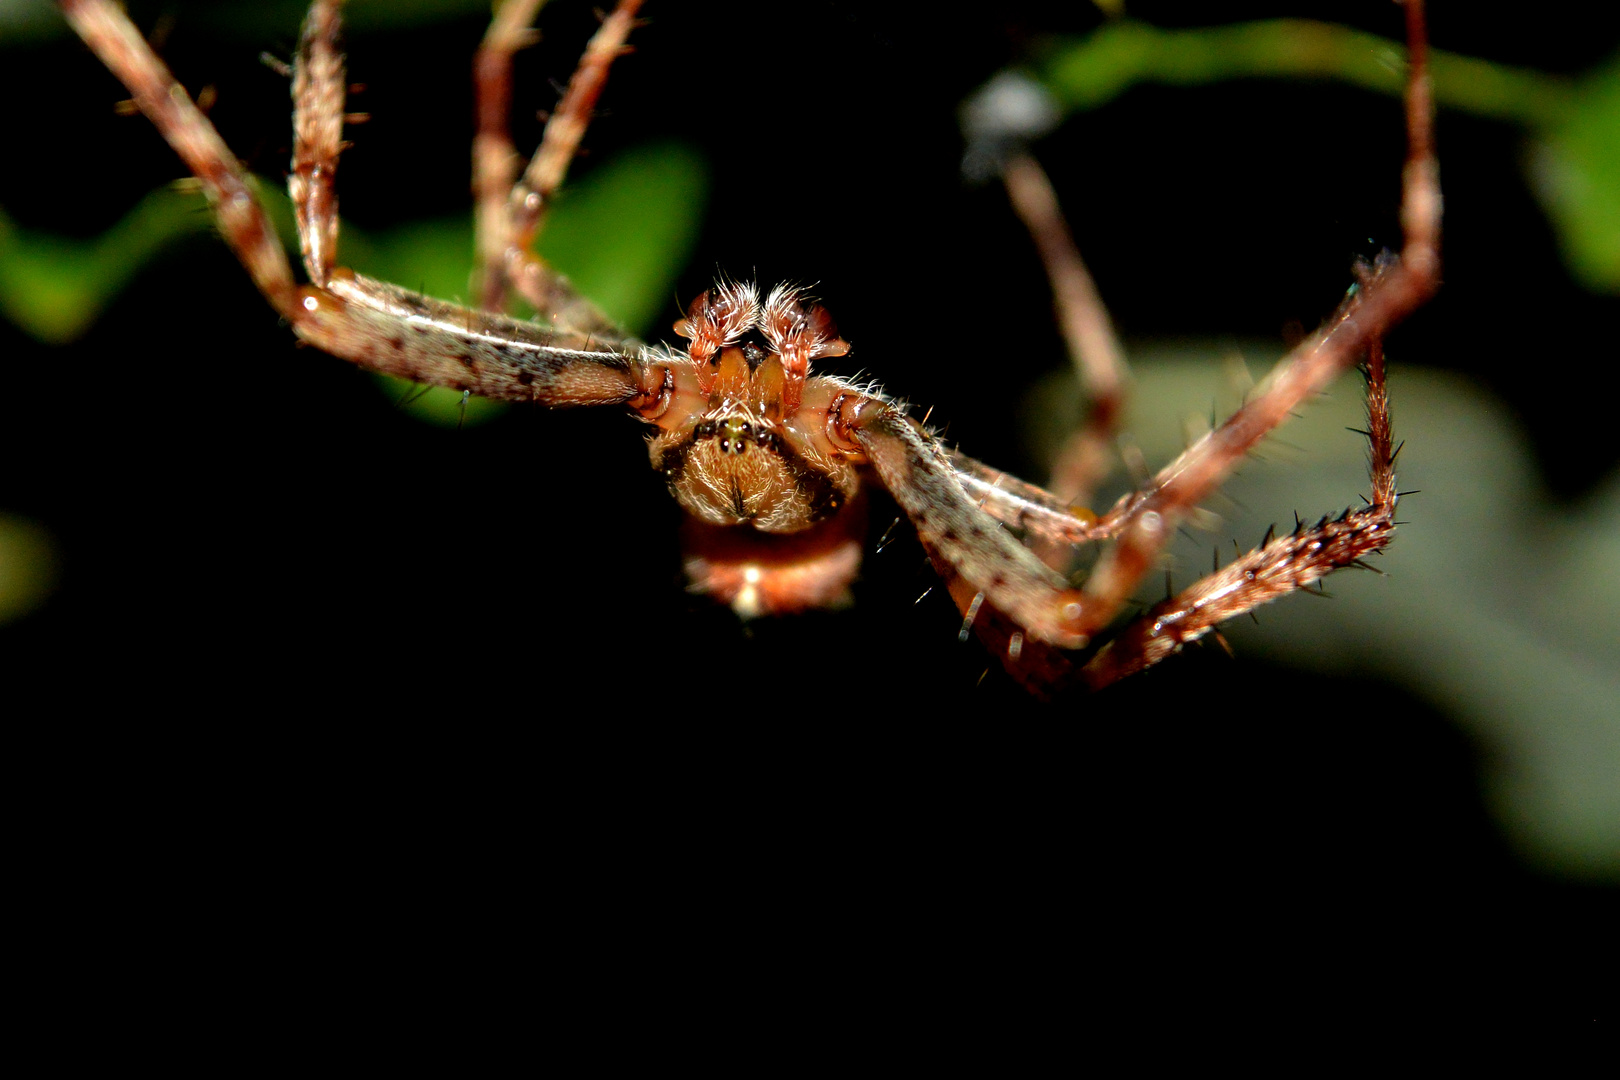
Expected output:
(1146, 521)
(1088, 454)
(969, 548)
(510, 213)
(318, 94)
(1023, 609)
(495, 159)
(1018, 504)
(111, 36)
(369, 323)
(1279, 566)
(365, 321)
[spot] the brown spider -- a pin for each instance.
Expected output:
(767, 458)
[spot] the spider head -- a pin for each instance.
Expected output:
(747, 448)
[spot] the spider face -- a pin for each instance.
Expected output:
(746, 443)
(734, 467)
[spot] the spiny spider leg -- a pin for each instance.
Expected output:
(1279, 566)
(1149, 520)
(1145, 522)
(511, 211)
(378, 326)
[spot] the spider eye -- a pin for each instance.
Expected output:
(734, 433)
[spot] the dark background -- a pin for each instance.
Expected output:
(336, 637)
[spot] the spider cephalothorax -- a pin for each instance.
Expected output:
(768, 460)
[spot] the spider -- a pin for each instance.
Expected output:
(770, 459)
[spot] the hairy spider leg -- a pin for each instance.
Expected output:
(511, 211)
(369, 323)
(1279, 566)
(1145, 521)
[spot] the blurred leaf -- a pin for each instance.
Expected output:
(1576, 168)
(1575, 129)
(28, 566)
(1089, 72)
(624, 236)
(29, 20)
(55, 288)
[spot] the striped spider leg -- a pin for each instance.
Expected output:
(376, 325)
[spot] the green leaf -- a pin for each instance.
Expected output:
(1574, 128)
(624, 236)
(1576, 168)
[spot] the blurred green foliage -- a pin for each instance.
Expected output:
(28, 565)
(1573, 126)
(1576, 169)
